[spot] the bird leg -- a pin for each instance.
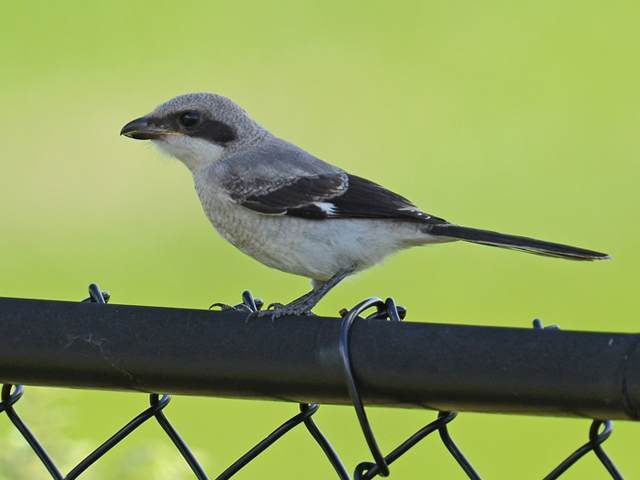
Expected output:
(304, 304)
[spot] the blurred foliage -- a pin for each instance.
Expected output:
(519, 117)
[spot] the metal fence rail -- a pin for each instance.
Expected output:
(353, 360)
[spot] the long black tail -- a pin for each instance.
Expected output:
(524, 244)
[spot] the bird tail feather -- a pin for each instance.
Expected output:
(514, 242)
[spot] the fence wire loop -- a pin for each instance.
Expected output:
(367, 431)
(248, 304)
(96, 295)
(538, 325)
(380, 466)
(9, 398)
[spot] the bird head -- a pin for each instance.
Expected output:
(196, 128)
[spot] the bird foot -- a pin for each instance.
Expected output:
(277, 310)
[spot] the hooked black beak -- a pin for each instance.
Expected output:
(144, 128)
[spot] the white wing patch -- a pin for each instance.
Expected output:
(415, 210)
(328, 208)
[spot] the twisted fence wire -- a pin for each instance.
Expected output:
(365, 470)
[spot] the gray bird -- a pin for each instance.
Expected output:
(292, 211)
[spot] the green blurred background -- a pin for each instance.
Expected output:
(514, 116)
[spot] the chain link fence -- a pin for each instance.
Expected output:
(599, 431)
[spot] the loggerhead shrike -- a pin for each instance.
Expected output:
(292, 211)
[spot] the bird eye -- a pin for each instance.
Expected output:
(189, 119)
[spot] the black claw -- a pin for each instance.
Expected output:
(230, 308)
(273, 310)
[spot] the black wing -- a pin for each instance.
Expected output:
(338, 195)
(302, 197)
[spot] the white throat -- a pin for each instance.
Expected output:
(195, 153)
